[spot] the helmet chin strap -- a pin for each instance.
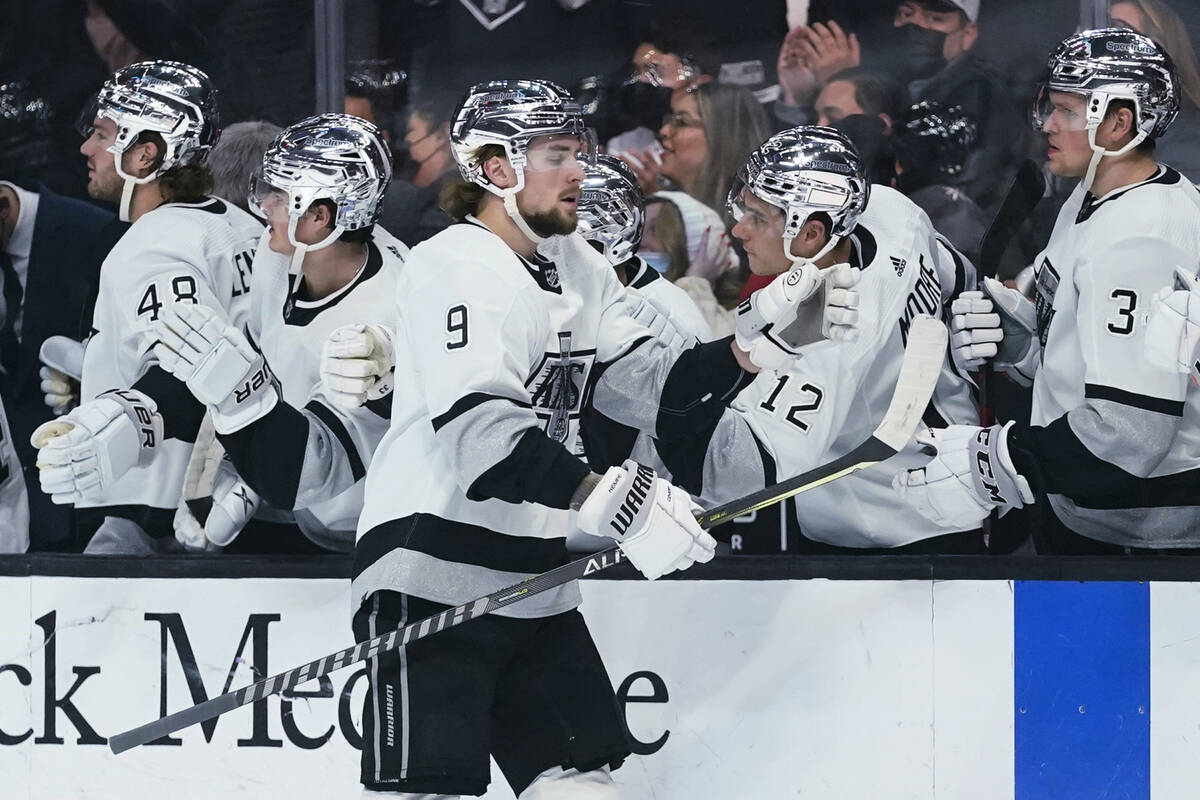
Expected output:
(510, 206)
(1099, 152)
(801, 260)
(297, 262)
(131, 182)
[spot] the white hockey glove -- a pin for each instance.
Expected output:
(975, 331)
(1173, 326)
(971, 474)
(1018, 350)
(233, 504)
(219, 366)
(802, 306)
(653, 522)
(358, 364)
(63, 360)
(658, 323)
(94, 445)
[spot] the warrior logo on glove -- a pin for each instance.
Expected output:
(634, 499)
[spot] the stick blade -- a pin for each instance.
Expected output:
(924, 354)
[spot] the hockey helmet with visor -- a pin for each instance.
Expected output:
(803, 171)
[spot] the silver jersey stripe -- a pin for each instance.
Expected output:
(405, 725)
(452, 583)
(375, 695)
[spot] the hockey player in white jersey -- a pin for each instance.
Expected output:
(509, 322)
(321, 265)
(153, 125)
(612, 216)
(803, 198)
(1113, 437)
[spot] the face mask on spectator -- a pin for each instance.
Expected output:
(920, 53)
(659, 262)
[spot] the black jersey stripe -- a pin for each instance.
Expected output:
(467, 402)
(335, 426)
(1145, 402)
(1055, 461)
(158, 523)
(459, 542)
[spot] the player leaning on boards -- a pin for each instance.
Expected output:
(803, 198)
(508, 323)
(321, 264)
(1112, 439)
(153, 125)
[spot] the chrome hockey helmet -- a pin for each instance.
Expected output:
(336, 157)
(803, 171)
(1106, 65)
(612, 208)
(175, 100)
(510, 114)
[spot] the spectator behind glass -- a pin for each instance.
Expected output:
(410, 209)
(856, 91)
(932, 143)
(706, 139)
(423, 156)
(236, 155)
(931, 54)
(1180, 146)
(686, 241)
(376, 89)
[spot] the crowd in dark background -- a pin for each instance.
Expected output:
(936, 101)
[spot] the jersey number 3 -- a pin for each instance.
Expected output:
(183, 287)
(1126, 302)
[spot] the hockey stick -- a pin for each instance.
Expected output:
(919, 370)
(1027, 189)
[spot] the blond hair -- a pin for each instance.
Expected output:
(1164, 26)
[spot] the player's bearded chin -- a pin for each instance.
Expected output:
(554, 222)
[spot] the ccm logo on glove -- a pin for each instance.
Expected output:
(984, 463)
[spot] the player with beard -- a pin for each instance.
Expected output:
(153, 124)
(508, 324)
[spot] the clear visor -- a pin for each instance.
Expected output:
(1059, 111)
(753, 215)
(560, 151)
(267, 201)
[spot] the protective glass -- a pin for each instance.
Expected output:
(560, 151)
(267, 201)
(1067, 111)
(755, 218)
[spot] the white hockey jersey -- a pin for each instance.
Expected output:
(291, 331)
(832, 398)
(1115, 441)
(179, 252)
(496, 357)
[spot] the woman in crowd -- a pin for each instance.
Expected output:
(1180, 147)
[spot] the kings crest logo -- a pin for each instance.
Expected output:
(1046, 285)
(556, 387)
